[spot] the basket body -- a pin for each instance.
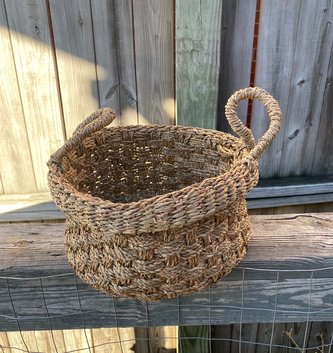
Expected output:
(153, 211)
(162, 264)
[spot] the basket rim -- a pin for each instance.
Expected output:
(203, 198)
(85, 196)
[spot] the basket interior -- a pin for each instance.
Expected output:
(126, 164)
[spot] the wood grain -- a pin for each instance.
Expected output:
(198, 33)
(194, 339)
(37, 80)
(17, 173)
(268, 337)
(163, 339)
(290, 201)
(154, 60)
(20, 341)
(299, 186)
(298, 81)
(78, 339)
(236, 42)
(75, 55)
(292, 244)
(106, 340)
(113, 41)
(313, 208)
(322, 161)
(141, 340)
(4, 341)
(127, 339)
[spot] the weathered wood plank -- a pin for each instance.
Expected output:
(127, 339)
(294, 244)
(299, 186)
(163, 339)
(19, 342)
(43, 339)
(4, 341)
(221, 338)
(106, 339)
(141, 340)
(37, 80)
(113, 41)
(194, 339)
(75, 55)
(198, 33)
(320, 333)
(238, 19)
(322, 160)
(154, 60)
(78, 340)
(100, 340)
(298, 81)
(17, 174)
(170, 334)
(289, 201)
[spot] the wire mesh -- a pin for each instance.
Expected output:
(51, 310)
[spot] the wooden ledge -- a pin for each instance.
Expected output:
(287, 273)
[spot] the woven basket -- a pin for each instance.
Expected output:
(157, 211)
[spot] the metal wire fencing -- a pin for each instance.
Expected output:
(253, 311)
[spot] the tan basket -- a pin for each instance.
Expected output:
(157, 211)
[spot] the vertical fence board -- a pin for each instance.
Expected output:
(275, 56)
(113, 37)
(74, 41)
(322, 163)
(320, 333)
(171, 339)
(154, 59)
(79, 340)
(221, 338)
(127, 339)
(106, 340)
(44, 341)
(198, 33)
(59, 339)
(33, 57)
(194, 339)
(141, 340)
(17, 174)
(16, 343)
(295, 42)
(4, 339)
(162, 339)
(236, 53)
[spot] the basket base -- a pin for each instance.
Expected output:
(151, 266)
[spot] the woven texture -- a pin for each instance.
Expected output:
(157, 211)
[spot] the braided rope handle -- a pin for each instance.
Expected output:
(95, 122)
(274, 114)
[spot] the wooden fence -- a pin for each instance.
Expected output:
(60, 60)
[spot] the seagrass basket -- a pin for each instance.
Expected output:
(157, 211)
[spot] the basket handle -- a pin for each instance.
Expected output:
(274, 114)
(95, 122)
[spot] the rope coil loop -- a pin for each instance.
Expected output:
(95, 122)
(274, 114)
